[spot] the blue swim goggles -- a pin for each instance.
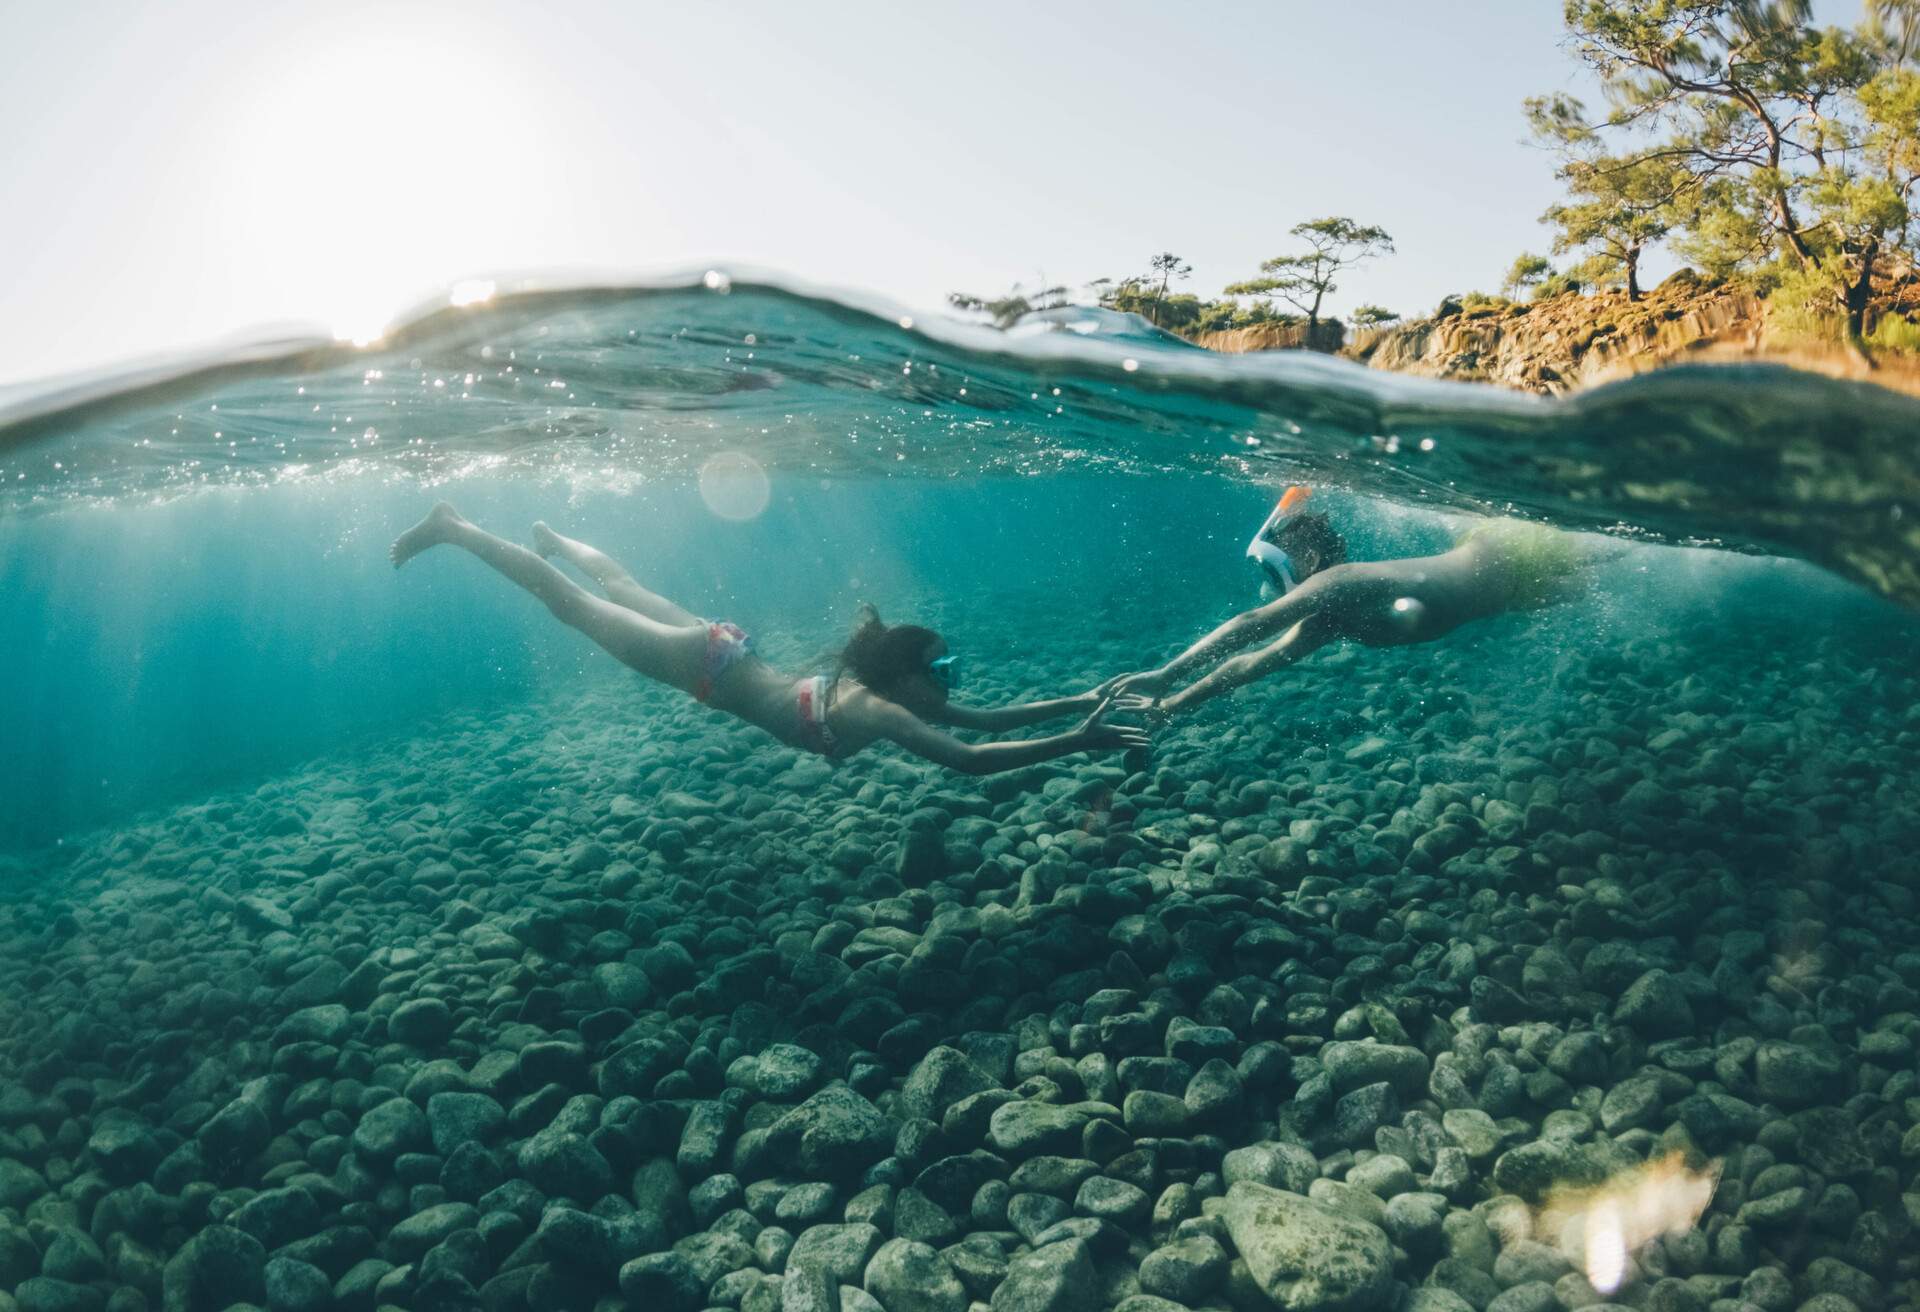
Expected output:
(945, 672)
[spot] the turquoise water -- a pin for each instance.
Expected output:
(292, 843)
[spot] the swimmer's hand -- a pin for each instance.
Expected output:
(1093, 696)
(1145, 681)
(1100, 736)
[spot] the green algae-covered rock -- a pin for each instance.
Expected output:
(1305, 1257)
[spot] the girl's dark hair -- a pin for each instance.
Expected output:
(1313, 533)
(884, 657)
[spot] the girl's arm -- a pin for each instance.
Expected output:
(1243, 630)
(884, 719)
(1307, 636)
(997, 718)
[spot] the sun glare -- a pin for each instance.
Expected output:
(363, 333)
(471, 291)
(377, 168)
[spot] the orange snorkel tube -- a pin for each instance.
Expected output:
(1269, 555)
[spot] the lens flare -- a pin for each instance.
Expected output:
(734, 486)
(1600, 1228)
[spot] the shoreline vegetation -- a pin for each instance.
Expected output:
(1775, 159)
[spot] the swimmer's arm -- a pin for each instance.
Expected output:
(996, 718)
(900, 726)
(1307, 636)
(1243, 630)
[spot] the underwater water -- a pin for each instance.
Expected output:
(370, 939)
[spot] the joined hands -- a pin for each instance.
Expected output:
(1102, 736)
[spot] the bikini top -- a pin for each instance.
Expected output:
(810, 703)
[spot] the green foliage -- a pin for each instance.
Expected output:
(1218, 316)
(1473, 301)
(1893, 27)
(1528, 270)
(1170, 312)
(1727, 233)
(1126, 296)
(1304, 279)
(1181, 312)
(1599, 273)
(1619, 207)
(1808, 302)
(1749, 133)
(1373, 316)
(1895, 333)
(1147, 295)
(1008, 309)
(1169, 266)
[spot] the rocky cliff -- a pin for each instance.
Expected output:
(1331, 336)
(1572, 341)
(1568, 341)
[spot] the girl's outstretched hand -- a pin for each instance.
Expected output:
(1102, 736)
(1142, 681)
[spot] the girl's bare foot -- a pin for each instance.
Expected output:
(429, 532)
(545, 540)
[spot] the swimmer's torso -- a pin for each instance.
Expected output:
(1389, 603)
(762, 695)
(1508, 565)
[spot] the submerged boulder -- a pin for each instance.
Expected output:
(1306, 1257)
(834, 1134)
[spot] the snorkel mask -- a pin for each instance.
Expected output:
(1274, 562)
(945, 672)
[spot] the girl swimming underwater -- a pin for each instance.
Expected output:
(893, 683)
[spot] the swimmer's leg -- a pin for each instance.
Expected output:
(670, 653)
(1298, 641)
(612, 577)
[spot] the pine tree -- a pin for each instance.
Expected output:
(1305, 280)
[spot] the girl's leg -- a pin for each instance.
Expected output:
(611, 576)
(669, 653)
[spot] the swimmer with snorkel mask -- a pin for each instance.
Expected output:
(1314, 595)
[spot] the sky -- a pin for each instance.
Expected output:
(179, 173)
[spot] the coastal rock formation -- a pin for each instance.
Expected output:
(1331, 336)
(1567, 342)
(1573, 341)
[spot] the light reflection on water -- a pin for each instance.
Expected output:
(650, 381)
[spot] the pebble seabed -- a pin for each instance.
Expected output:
(606, 1002)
